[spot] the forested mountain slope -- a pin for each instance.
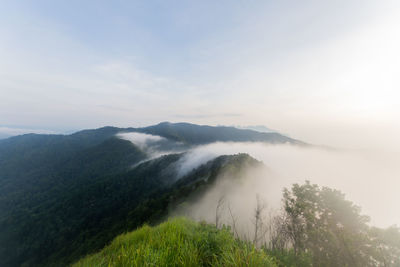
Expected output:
(80, 205)
(62, 196)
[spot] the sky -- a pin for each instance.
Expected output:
(325, 72)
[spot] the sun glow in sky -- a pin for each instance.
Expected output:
(323, 72)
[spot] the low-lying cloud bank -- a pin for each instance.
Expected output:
(370, 180)
(153, 145)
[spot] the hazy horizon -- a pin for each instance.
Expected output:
(324, 73)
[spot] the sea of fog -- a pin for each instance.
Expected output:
(371, 180)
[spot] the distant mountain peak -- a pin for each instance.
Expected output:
(202, 134)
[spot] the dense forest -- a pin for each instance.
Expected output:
(62, 196)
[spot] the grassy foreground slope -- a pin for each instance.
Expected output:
(178, 242)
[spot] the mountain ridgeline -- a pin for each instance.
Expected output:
(203, 134)
(64, 196)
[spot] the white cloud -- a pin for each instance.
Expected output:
(143, 141)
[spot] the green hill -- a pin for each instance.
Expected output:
(60, 224)
(63, 196)
(178, 242)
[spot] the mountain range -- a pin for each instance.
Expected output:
(63, 196)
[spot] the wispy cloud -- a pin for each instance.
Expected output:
(143, 141)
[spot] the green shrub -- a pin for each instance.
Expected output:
(287, 258)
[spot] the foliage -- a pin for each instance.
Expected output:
(178, 242)
(322, 222)
(47, 201)
(387, 244)
(287, 258)
(73, 194)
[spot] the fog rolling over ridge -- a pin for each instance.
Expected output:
(153, 145)
(369, 179)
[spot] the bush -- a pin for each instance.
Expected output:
(287, 258)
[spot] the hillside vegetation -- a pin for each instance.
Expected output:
(178, 242)
(62, 197)
(317, 227)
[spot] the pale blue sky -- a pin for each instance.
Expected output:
(320, 71)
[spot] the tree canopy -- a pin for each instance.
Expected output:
(320, 221)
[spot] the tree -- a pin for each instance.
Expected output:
(218, 211)
(259, 230)
(387, 244)
(323, 222)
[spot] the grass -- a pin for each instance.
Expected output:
(178, 242)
